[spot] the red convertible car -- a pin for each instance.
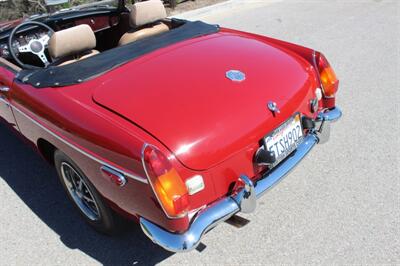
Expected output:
(177, 124)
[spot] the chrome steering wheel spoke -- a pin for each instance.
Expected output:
(44, 39)
(42, 56)
(25, 49)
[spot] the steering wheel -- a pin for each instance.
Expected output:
(35, 46)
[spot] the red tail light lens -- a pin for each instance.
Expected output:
(167, 185)
(328, 78)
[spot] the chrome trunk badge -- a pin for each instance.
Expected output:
(273, 107)
(235, 75)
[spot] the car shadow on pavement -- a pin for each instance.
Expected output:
(37, 185)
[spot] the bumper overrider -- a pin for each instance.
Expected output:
(243, 201)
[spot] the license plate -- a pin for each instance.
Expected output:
(285, 139)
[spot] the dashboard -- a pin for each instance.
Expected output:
(96, 23)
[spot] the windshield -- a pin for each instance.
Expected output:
(80, 4)
(17, 9)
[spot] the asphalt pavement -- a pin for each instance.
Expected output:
(341, 205)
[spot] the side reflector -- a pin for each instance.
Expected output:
(195, 184)
(113, 176)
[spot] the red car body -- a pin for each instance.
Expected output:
(205, 123)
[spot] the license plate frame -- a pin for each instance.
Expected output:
(294, 120)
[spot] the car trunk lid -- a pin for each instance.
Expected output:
(183, 97)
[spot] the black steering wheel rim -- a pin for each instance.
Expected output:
(12, 36)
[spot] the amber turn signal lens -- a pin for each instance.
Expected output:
(166, 182)
(328, 78)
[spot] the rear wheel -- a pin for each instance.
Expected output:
(84, 195)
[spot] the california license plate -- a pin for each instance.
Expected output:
(285, 139)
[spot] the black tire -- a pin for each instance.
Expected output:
(106, 221)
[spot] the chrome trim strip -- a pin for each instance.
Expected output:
(224, 208)
(3, 100)
(132, 176)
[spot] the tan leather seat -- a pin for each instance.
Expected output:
(72, 44)
(146, 16)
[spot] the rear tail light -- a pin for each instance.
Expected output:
(166, 183)
(329, 81)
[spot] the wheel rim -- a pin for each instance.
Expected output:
(80, 192)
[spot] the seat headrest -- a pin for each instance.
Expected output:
(147, 12)
(72, 41)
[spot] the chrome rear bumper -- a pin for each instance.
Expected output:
(244, 200)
